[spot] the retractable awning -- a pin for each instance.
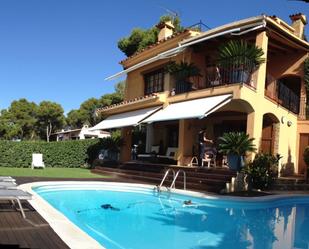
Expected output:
(197, 108)
(125, 119)
(255, 23)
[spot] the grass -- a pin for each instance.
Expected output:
(50, 172)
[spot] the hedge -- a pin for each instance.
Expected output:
(55, 154)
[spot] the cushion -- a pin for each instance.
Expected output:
(155, 149)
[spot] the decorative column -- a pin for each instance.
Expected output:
(185, 141)
(261, 42)
(254, 128)
(149, 137)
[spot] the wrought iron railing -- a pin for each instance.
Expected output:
(287, 98)
(231, 73)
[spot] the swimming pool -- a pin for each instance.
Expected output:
(135, 216)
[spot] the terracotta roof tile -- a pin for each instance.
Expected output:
(130, 101)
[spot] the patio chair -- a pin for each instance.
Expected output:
(210, 159)
(15, 195)
(37, 161)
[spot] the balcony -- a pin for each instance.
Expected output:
(216, 76)
(284, 96)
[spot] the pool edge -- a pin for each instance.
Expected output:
(75, 237)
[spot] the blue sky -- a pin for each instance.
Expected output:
(61, 50)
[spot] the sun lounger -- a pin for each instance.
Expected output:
(170, 153)
(154, 151)
(7, 179)
(7, 185)
(15, 195)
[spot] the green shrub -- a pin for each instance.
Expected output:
(112, 144)
(306, 159)
(306, 155)
(55, 154)
(263, 170)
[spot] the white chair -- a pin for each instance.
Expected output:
(37, 161)
(210, 159)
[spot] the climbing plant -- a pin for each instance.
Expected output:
(306, 79)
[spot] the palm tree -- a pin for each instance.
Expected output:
(240, 52)
(236, 145)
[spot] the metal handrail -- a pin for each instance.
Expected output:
(175, 178)
(164, 177)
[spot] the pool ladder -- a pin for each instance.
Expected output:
(175, 175)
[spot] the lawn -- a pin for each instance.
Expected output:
(50, 172)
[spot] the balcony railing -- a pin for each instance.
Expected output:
(231, 73)
(218, 76)
(288, 98)
(285, 96)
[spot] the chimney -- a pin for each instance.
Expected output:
(298, 23)
(166, 30)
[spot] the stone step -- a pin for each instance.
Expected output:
(193, 175)
(291, 181)
(194, 183)
(159, 177)
(291, 187)
(162, 168)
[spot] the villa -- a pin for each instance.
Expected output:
(267, 102)
(78, 134)
(176, 89)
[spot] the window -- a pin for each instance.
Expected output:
(154, 81)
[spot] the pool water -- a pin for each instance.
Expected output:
(140, 218)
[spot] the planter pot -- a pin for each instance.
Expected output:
(239, 76)
(235, 162)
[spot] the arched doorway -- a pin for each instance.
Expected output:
(270, 134)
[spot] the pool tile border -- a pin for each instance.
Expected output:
(76, 238)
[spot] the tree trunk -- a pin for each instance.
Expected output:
(48, 131)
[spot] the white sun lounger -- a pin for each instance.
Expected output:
(7, 179)
(8, 185)
(15, 195)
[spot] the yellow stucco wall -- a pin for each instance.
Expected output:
(251, 100)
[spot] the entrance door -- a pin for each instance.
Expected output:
(267, 139)
(303, 143)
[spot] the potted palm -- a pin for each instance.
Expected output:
(235, 145)
(238, 59)
(182, 72)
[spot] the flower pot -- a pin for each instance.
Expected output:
(239, 76)
(235, 162)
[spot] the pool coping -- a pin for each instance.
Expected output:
(76, 238)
